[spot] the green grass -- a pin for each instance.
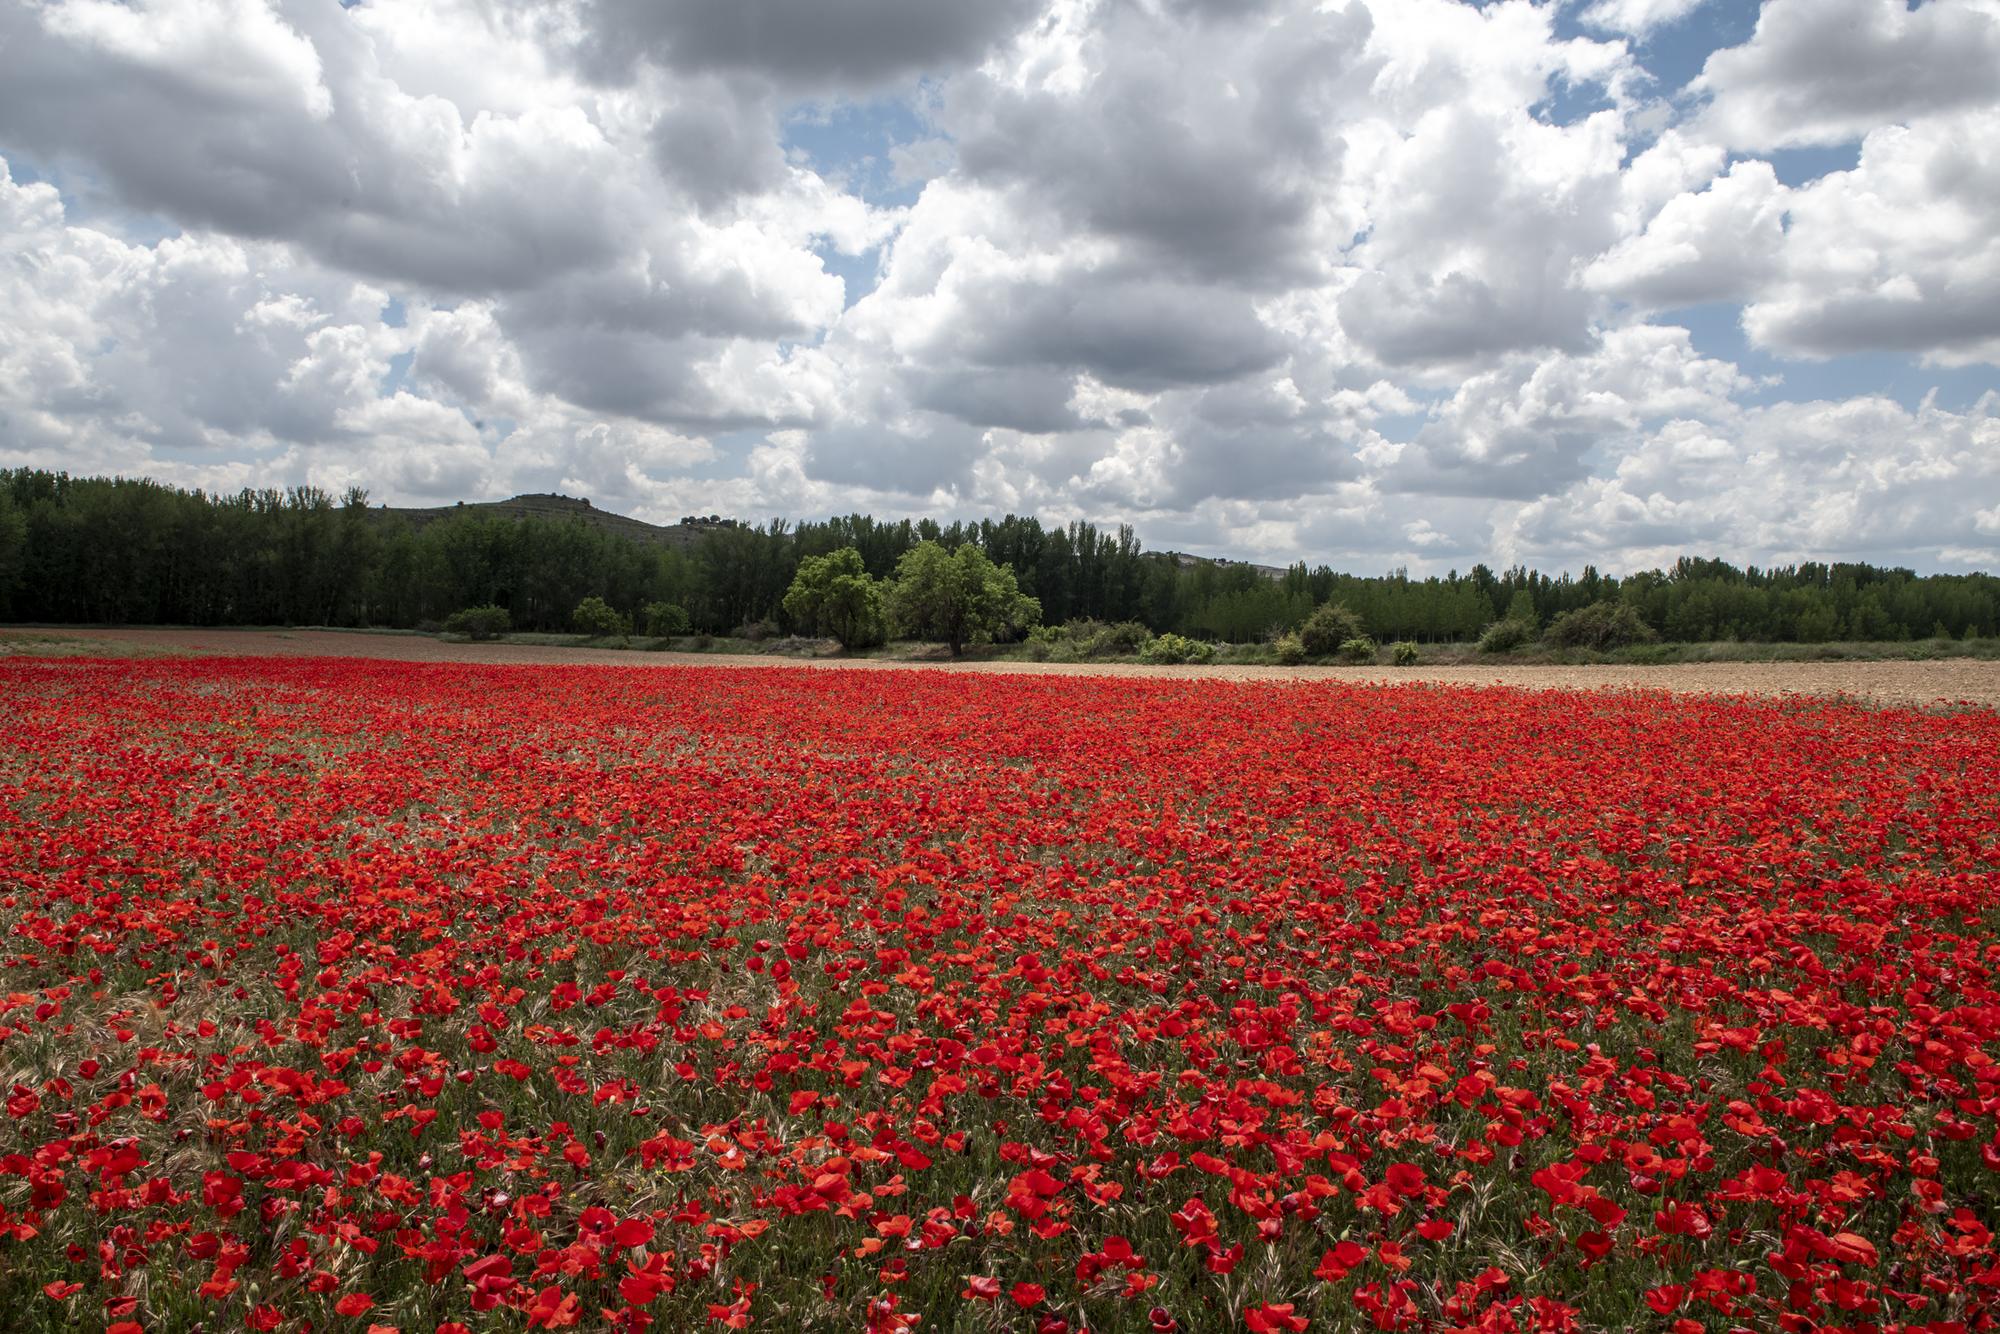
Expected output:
(48, 644)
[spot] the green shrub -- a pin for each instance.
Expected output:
(1115, 641)
(596, 618)
(1288, 650)
(1331, 625)
(1172, 648)
(1050, 643)
(487, 622)
(1506, 636)
(1358, 649)
(666, 619)
(1404, 653)
(1600, 626)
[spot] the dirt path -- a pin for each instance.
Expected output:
(1955, 681)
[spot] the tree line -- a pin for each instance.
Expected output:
(134, 551)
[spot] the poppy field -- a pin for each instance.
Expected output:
(357, 996)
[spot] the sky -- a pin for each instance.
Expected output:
(1370, 283)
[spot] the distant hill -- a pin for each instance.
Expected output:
(1185, 561)
(682, 534)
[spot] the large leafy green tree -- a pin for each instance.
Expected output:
(833, 595)
(958, 596)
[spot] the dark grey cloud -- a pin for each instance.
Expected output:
(910, 458)
(719, 142)
(1134, 334)
(1206, 178)
(1511, 463)
(614, 371)
(1417, 319)
(293, 138)
(607, 270)
(1021, 398)
(1261, 440)
(647, 377)
(1942, 317)
(141, 123)
(1825, 71)
(1215, 9)
(807, 44)
(1263, 462)
(303, 140)
(645, 298)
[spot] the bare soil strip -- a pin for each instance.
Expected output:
(1954, 681)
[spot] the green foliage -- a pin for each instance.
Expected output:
(1048, 643)
(1405, 653)
(1521, 608)
(1870, 619)
(1817, 625)
(958, 597)
(1602, 625)
(1092, 639)
(83, 549)
(663, 620)
(834, 595)
(13, 550)
(1172, 648)
(1358, 649)
(598, 619)
(1288, 650)
(1330, 626)
(1506, 636)
(1237, 604)
(488, 622)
